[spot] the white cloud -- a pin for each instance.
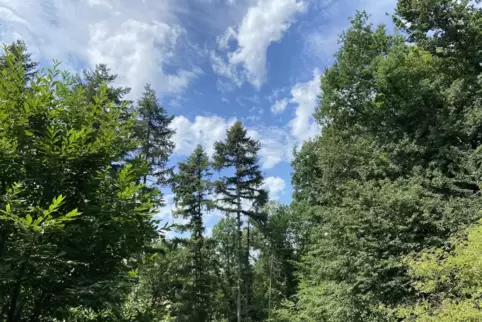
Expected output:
(223, 41)
(305, 96)
(104, 3)
(223, 68)
(263, 24)
(135, 39)
(204, 130)
(136, 50)
(225, 100)
(276, 143)
(275, 186)
(279, 106)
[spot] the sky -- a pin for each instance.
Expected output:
(212, 62)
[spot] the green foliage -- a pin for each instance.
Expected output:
(155, 135)
(72, 218)
(19, 50)
(192, 188)
(381, 227)
(280, 244)
(240, 153)
(93, 81)
(447, 280)
(224, 259)
(394, 170)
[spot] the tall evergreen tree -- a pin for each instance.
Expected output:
(155, 135)
(224, 260)
(279, 246)
(239, 153)
(92, 80)
(192, 188)
(19, 50)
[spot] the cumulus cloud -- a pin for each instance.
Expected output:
(264, 23)
(135, 39)
(204, 130)
(275, 186)
(305, 96)
(275, 142)
(276, 145)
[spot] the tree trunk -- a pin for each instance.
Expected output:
(37, 308)
(14, 303)
(240, 262)
(238, 245)
(270, 283)
(247, 275)
(199, 242)
(147, 144)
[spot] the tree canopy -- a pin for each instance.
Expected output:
(384, 222)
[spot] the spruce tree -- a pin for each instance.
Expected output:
(19, 50)
(192, 188)
(224, 260)
(239, 152)
(154, 135)
(93, 80)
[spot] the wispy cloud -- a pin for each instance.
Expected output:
(264, 23)
(279, 106)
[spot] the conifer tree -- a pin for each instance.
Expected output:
(93, 80)
(192, 188)
(224, 261)
(19, 50)
(240, 153)
(155, 135)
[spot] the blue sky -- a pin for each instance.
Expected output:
(211, 61)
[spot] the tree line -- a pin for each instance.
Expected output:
(384, 224)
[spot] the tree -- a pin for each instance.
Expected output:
(72, 224)
(155, 135)
(447, 280)
(92, 81)
(392, 171)
(224, 259)
(19, 50)
(166, 282)
(239, 152)
(192, 188)
(279, 245)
